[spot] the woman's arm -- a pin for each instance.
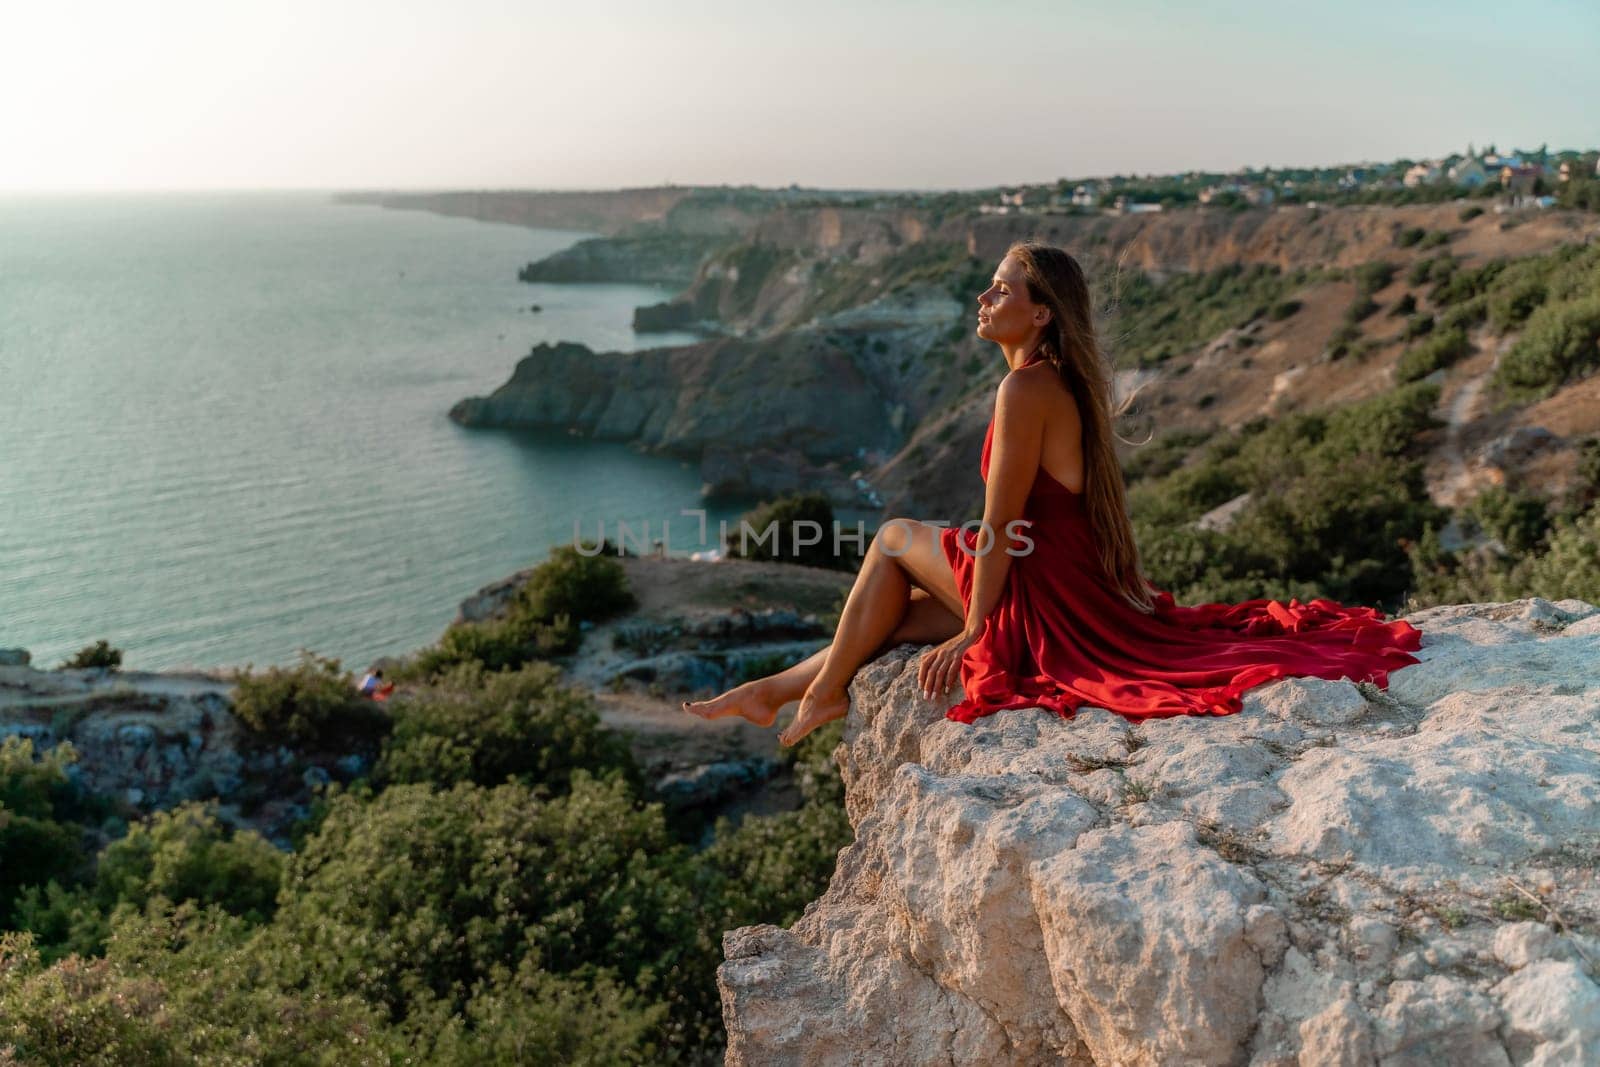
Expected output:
(1013, 465)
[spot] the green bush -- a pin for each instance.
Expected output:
(36, 841)
(1465, 316)
(1371, 277)
(1561, 342)
(582, 588)
(1417, 326)
(1164, 453)
(1467, 214)
(505, 643)
(99, 654)
(1518, 519)
(1582, 194)
(775, 536)
(1283, 309)
(1442, 349)
(1589, 462)
(182, 854)
(1406, 305)
(1409, 236)
(1334, 496)
(412, 899)
(540, 621)
(1456, 286)
(1511, 303)
(767, 869)
(1569, 566)
(1343, 337)
(178, 985)
(309, 705)
(476, 725)
(536, 1017)
(1360, 308)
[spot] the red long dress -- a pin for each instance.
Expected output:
(1061, 637)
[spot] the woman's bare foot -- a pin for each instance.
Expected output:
(814, 710)
(752, 700)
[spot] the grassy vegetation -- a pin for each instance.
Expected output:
(1441, 349)
(848, 284)
(1333, 497)
(1155, 321)
(1337, 504)
(543, 620)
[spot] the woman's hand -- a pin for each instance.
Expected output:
(940, 668)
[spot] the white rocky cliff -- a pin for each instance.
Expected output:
(1335, 875)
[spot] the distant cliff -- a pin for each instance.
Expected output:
(657, 258)
(785, 409)
(892, 289)
(608, 211)
(1335, 875)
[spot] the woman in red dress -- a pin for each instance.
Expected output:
(1042, 604)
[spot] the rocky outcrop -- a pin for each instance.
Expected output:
(797, 396)
(150, 741)
(660, 258)
(1335, 875)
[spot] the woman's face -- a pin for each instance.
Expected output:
(1006, 314)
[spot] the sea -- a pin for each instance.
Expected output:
(224, 434)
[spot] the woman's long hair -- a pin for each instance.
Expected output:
(1072, 346)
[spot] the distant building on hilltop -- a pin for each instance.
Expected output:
(1424, 173)
(1519, 181)
(1086, 195)
(1123, 206)
(1353, 178)
(1469, 173)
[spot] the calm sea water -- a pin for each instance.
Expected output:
(223, 431)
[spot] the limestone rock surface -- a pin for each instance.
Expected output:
(1337, 874)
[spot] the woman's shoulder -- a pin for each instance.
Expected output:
(1039, 390)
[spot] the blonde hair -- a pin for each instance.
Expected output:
(1071, 345)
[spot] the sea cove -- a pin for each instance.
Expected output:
(224, 431)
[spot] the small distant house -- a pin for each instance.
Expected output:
(1211, 192)
(1420, 174)
(1469, 173)
(1123, 206)
(1086, 195)
(1257, 195)
(1353, 178)
(1519, 181)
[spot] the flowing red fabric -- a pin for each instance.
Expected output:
(1061, 637)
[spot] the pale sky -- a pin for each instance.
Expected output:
(171, 94)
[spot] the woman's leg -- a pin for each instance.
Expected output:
(903, 551)
(926, 622)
